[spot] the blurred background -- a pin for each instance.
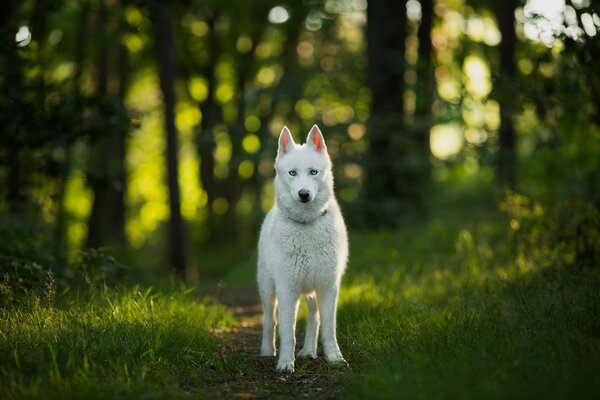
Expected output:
(147, 130)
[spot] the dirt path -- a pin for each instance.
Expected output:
(256, 377)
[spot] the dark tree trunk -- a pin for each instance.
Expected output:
(8, 28)
(107, 219)
(505, 167)
(38, 21)
(425, 87)
(80, 45)
(121, 139)
(161, 15)
(211, 116)
(390, 164)
(101, 167)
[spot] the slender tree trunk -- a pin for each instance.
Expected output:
(8, 28)
(205, 135)
(161, 15)
(389, 173)
(38, 21)
(80, 45)
(425, 87)
(107, 219)
(99, 174)
(505, 167)
(121, 139)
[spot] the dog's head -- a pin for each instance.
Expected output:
(304, 179)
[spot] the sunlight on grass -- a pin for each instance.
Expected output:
(445, 309)
(129, 341)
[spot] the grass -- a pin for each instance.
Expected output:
(454, 328)
(448, 308)
(124, 343)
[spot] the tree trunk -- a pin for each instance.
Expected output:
(102, 170)
(505, 166)
(161, 14)
(425, 87)
(390, 175)
(205, 135)
(121, 139)
(8, 26)
(107, 219)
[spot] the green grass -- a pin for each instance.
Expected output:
(455, 308)
(464, 323)
(451, 307)
(123, 343)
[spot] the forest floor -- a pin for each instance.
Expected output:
(313, 378)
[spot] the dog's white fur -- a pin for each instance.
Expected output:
(303, 249)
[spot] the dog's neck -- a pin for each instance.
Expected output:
(309, 221)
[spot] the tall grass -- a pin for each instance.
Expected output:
(109, 343)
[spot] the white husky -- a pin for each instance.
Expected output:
(303, 248)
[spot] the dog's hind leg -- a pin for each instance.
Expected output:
(269, 304)
(309, 349)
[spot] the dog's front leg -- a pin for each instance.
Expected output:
(327, 301)
(288, 308)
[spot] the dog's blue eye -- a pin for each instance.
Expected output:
(314, 172)
(293, 172)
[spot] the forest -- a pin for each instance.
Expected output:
(136, 166)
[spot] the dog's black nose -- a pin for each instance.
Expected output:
(304, 195)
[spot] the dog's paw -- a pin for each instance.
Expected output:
(339, 364)
(285, 366)
(307, 353)
(336, 360)
(267, 352)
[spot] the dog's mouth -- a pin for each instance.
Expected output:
(305, 200)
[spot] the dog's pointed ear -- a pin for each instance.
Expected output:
(315, 139)
(286, 142)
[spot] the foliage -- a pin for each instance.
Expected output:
(31, 266)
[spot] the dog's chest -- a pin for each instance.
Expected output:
(310, 252)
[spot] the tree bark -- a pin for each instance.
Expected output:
(161, 15)
(121, 139)
(505, 166)
(390, 174)
(425, 86)
(107, 219)
(8, 26)
(101, 166)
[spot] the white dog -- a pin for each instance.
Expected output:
(303, 249)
